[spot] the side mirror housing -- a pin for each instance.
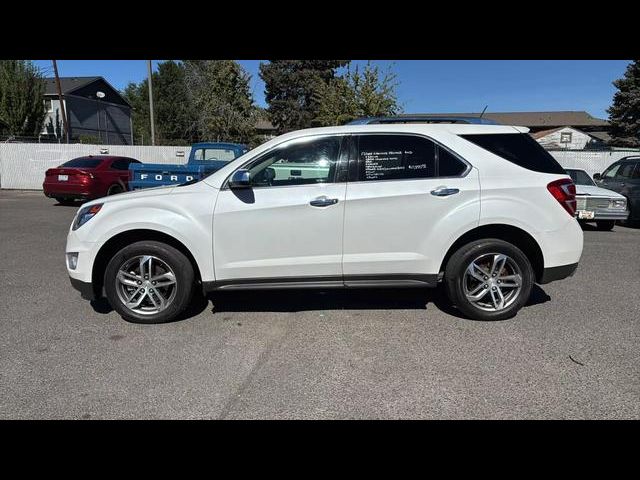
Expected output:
(240, 179)
(597, 176)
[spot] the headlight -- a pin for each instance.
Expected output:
(618, 203)
(85, 214)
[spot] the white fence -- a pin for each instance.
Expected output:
(590, 161)
(22, 165)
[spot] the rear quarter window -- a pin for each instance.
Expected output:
(518, 148)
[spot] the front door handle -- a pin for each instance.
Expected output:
(444, 191)
(323, 201)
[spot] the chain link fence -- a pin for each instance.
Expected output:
(591, 161)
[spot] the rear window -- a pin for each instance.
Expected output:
(83, 162)
(518, 148)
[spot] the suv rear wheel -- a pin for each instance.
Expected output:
(489, 279)
(149, 282)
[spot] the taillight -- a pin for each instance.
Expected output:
(564, 191)
(85, 176)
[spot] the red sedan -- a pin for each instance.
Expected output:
(86, 178)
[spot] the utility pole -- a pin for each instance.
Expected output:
(65, 126)
(153, 133)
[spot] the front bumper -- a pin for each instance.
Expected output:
(606, 214)
(85, 288)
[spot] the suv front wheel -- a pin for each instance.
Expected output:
(489, 279)
(149, 282)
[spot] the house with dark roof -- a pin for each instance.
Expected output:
(94, 109)
(574, 130)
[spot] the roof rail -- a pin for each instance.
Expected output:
(422, 119)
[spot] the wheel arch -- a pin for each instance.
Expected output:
(509, 233)
(122, 239)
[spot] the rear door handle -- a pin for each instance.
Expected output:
(444, 191)
(323, 201)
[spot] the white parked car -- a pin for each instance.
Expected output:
(482, 209)
(597, 204)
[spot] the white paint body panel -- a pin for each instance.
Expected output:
(278, 234)
(404, 230)
(378, 227)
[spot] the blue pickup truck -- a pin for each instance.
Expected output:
(203, 159)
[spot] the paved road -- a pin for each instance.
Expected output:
(366, 354)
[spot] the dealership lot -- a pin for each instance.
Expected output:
(574, 352)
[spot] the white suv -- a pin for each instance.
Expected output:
(482, 209)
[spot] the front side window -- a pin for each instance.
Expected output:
(395, 157)
(308, 162)
(611, 171)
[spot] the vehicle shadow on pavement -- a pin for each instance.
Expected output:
(360, 299)
(308, 300)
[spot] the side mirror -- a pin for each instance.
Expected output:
(240, 179)
(596, 176)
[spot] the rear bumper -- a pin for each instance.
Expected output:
(551, 274)
(66, 190)
(85, 288)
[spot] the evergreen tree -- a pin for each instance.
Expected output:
(357, 94)
(291, 90)
(624, 113)
(175, 116)
(221, 96)
(22, 109)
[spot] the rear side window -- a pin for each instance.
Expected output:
(448, 164)
(121, 164)
(395, 157)
(626, 170)
(82, 162)
(518, 148)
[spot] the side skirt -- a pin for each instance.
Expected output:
(347, 281)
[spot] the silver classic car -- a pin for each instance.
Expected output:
(596, 204)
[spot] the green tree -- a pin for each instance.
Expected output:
(291, 90)
(221, 96)
(624, 113)
(137, 95)
(358, 94)
(175, 117)
(22, 109)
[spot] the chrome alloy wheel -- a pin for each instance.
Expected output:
(146, 285)
(492, 281)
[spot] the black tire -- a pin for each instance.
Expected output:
(114, 189)
(65, 201)
(605, 225)
(175, 259)
(455, 273)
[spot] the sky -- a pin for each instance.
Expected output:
(437, 86)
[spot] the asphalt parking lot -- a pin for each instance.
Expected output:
(573, 352)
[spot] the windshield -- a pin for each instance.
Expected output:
(83, 162)
(580, 177)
